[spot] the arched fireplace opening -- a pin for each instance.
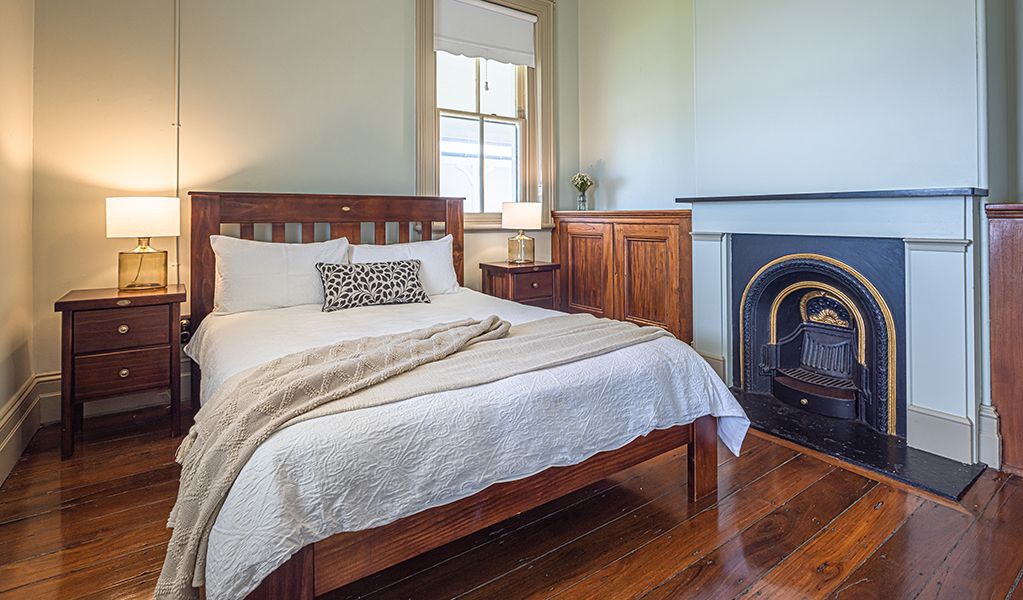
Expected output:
(817, 334)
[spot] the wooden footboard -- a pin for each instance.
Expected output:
(347, 557)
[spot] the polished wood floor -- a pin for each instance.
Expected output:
(786, 524)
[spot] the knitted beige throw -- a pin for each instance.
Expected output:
(353, 374)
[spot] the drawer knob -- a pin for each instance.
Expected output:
(536, 285)
(123, 373)
(122, 329)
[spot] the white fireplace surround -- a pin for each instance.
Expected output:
(947, 363)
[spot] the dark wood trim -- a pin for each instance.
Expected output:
(106, 330)
(345, 212)
(348, 557)
(703, 458)
(622, 216)
(110, 297)
(605, 289)
(292, 580)
(913, 193)
(1005, 261)
(345, 557)
(1004, 211)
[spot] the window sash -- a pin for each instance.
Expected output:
(539, 165)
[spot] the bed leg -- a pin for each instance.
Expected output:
(293, 580)
(703, 458)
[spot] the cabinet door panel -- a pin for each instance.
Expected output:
(586, 268)
(647, 275)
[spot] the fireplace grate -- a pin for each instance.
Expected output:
(807, 376)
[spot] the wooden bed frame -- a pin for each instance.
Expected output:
(346, 557)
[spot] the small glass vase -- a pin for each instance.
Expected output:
(582, 200)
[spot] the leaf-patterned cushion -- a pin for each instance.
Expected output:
(371, 284)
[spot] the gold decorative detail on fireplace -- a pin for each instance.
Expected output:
(861, 335)
(829, 317)
(888, 318)
(826, 316)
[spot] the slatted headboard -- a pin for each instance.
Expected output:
(344, 213)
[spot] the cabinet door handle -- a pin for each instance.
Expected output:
(122, 329)
(536, 285)
(123, 373)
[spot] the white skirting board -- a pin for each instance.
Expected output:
(716, 362)
(990, 438)
(38, 403)
(19, 420)
(943, 434)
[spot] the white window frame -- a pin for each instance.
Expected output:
(539, 164)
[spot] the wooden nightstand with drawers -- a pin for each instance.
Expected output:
(115, 343)
(527, 283)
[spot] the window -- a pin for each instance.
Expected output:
(482, 118)
(485, 128)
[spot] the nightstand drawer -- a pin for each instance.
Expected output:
(533, 285)
(116, 328)
(121, 372)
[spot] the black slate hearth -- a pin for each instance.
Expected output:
(858, 443)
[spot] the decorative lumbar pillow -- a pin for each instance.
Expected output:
(371, 284)
(260, 275)
(438, 272)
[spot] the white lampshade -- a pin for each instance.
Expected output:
(143, 217)
(522, 215)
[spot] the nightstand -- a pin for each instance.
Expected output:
(115, 343)
(527, 283)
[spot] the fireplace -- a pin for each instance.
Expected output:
(820, 324)
(868, 305)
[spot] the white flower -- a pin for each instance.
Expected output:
(582, 181)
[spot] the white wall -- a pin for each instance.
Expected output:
(811, 95)
(16, 31)
(636, 131)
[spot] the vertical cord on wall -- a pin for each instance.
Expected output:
(177, 123)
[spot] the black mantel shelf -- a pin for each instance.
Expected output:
(920, 193)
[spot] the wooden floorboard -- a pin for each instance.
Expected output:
(786, 523)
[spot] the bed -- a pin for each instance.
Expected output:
(330, 562)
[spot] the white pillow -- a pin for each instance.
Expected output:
(260, 275)
(438, 272)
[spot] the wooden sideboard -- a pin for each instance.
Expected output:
(628, 265)
(1005, 222)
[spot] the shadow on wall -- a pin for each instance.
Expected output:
(72, 250)
(15, 369)
(604, 193)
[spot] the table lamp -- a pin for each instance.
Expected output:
(144, 268)
(521, 216)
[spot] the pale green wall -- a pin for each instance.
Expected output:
(805, 95)
(304, 96)
(1002, 133)
(16, 18)
(104, 108)
(708, 97)
(636, 135)
(566, 14)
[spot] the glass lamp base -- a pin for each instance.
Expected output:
(520, 248)
(142, 270)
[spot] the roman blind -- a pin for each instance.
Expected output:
(479, 29)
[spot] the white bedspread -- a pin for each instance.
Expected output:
(370, 467)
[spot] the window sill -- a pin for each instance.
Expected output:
(490, 222)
